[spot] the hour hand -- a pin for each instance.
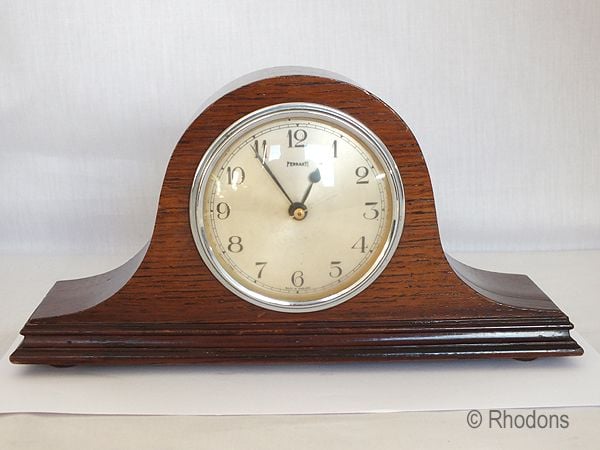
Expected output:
(262, 158)
(313, 177)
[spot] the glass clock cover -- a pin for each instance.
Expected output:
(297, 207)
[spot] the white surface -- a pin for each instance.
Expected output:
(503, 97)
(570, 278)
(418, 430)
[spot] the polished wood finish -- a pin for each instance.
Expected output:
(173, 311)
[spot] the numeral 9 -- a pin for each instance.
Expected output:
(223, 210)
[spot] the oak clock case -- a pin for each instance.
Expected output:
(296, 223)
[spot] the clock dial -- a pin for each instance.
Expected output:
(297, 207)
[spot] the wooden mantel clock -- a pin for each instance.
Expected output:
(296, 223)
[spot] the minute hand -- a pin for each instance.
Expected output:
(267, 168)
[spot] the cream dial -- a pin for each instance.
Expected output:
(297, 207)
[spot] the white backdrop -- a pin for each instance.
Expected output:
(504, 98)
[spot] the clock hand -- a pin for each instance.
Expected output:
(314, 177)
(298, 210)
(266, 167)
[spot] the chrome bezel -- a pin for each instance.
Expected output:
(255, 119)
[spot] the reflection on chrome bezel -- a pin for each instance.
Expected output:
(305, 111)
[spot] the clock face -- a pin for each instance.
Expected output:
(297, 207)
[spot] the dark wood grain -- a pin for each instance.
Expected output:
(174, 311)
